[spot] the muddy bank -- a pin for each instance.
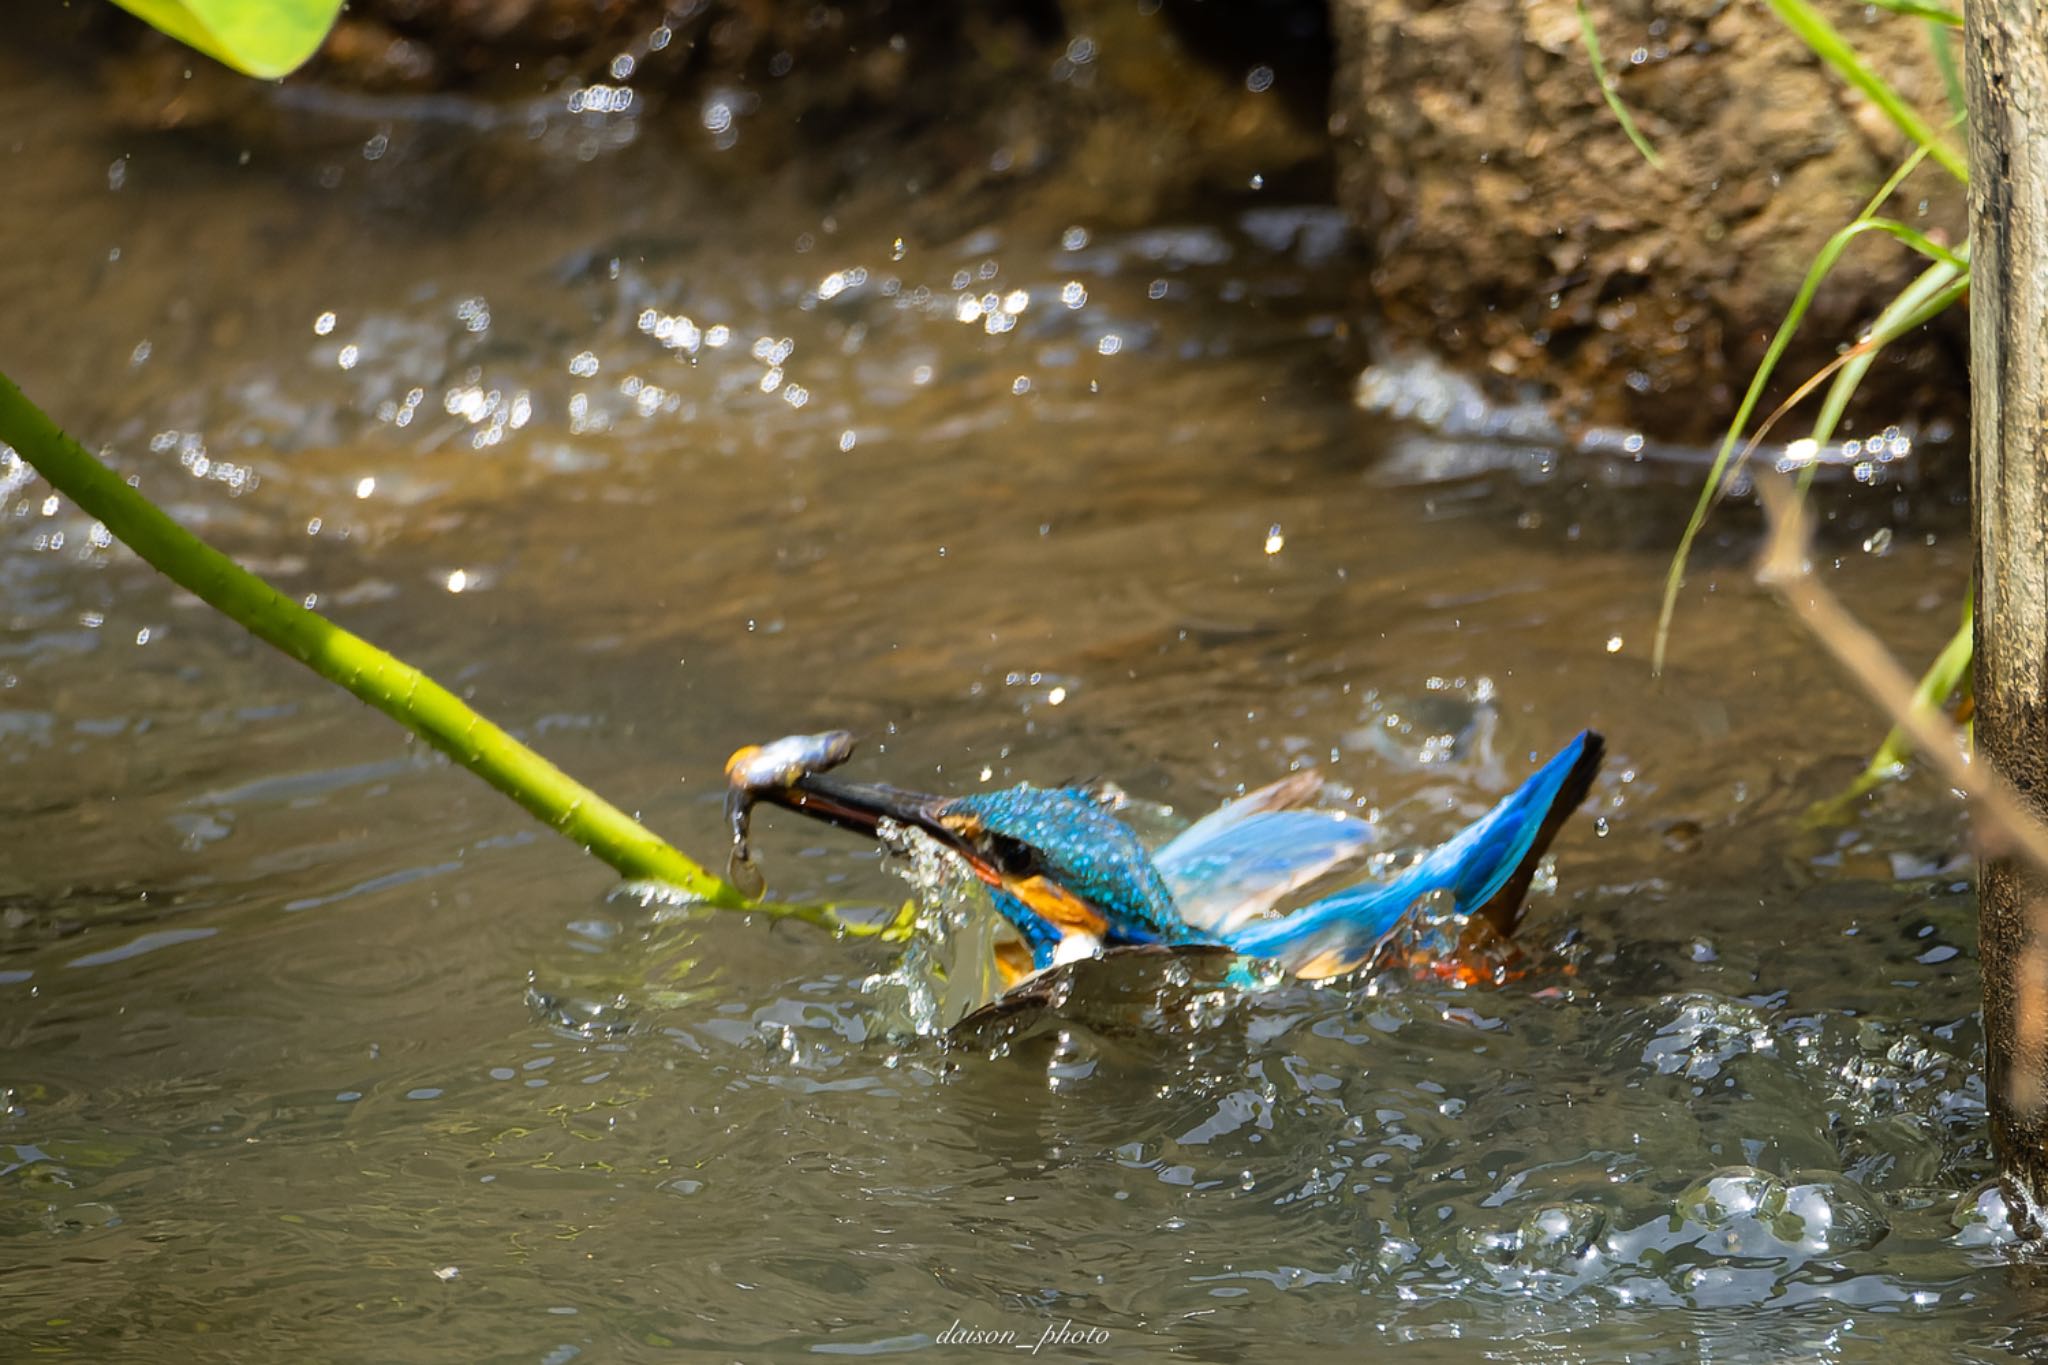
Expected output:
(1516, 231)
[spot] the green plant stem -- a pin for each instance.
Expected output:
(396, 688)
(1607, 91)
(1829, 45)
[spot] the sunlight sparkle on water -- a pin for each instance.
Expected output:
(601, 99)
(674, 331)
(839, 281)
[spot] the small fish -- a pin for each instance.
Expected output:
(771, 767)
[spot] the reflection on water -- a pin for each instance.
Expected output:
(311, 1045)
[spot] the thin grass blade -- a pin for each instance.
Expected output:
(1610, 94)
(1831, 47)
(1719, 473)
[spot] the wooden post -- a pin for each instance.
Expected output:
(2008, 99)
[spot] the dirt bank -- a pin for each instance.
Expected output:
(1516, 231)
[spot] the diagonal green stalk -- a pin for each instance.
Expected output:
(396, 688)
(1831, 47)
(1607, 91)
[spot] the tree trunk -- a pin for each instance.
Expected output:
(2008, 89)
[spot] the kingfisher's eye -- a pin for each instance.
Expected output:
(1011, 857)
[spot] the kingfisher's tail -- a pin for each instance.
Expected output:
(1486, 870)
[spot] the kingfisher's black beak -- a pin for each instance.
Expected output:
(791, 773)
(858, 806)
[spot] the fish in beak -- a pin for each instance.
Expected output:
(790, 772)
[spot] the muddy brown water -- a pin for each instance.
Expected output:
(311, 1046)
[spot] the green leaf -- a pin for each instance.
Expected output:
(264, 38)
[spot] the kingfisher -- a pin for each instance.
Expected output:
(1075, 880)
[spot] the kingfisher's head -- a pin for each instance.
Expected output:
(1059, 864)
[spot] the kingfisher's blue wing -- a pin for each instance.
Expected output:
(1291, 792)
(1486, 869)
(1227, 874)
